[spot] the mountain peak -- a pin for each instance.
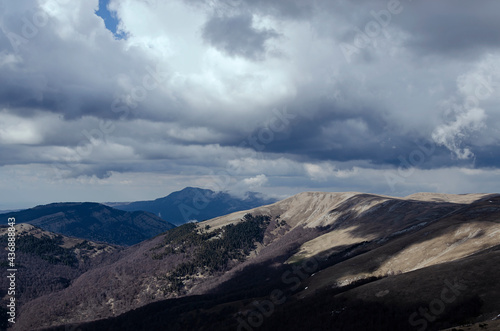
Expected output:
(193, 203)
(190, 192)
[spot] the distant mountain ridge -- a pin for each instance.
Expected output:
(93, 221)
(198, 204)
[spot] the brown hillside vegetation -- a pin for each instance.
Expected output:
(346, 261)
(49, 262)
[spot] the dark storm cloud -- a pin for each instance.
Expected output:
(452, 28)
(455, 29)
(375, 111)
(342, 138)
(487, 156)
(72, 76)
(285, 9)
(288, 9)
(236, 36)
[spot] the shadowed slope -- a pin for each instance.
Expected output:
(353, 238)
(93, 221)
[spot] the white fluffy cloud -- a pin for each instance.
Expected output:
(452, 134)
(255, 182)
(465, 115)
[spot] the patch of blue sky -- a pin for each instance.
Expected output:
(110, 19)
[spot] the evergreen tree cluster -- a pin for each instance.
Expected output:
(212, 251)
(45, 247)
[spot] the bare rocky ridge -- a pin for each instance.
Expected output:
(359, 241)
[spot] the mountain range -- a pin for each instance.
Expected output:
(93, 221)
(195, 204)
(130, 223)
(319, 261)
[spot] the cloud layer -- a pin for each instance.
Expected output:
(277, 96)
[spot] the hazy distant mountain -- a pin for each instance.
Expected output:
(314, 261)
(196, 204)
(93, 221)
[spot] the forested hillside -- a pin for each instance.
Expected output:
(93, 221)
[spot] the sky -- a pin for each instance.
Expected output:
(126, 100)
